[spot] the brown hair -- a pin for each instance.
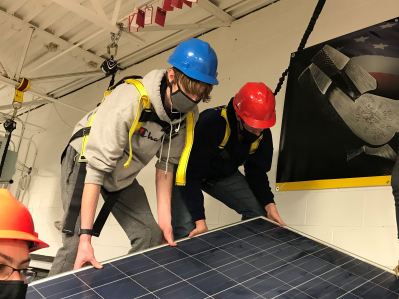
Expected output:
(201, 89)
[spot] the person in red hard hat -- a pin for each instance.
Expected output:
(17, 239)
(226, 138)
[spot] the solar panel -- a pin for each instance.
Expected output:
(253, 259)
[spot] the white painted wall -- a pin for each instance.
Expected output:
(255, 48)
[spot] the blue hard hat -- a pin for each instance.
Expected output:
(197, 60)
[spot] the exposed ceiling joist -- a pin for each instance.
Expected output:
(17, 74)
(51, 19)
(4, 66)
(17, 4)
(115, 13)
(172, 27)
(97, 20)
(216, 11)
(67, 76)
(89, 30)
(3, 71)
(98, 8)
(64, 89)
(27, 71)
(40, 7)
(14, 83)
(162, 45)
(25, 104)
(52, 38)
(66, 51)
(69, 26)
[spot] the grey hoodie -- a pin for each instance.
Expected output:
(107, 148)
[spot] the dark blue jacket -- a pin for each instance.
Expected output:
(207, 161)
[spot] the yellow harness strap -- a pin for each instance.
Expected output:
(254, 145)
(183, 162)
(82, 158)
(227, 132)
(144, 103)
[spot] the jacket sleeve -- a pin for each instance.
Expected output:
(256, 167)
(209, 132)
(109, 132)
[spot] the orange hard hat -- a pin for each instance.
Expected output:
(16, 222)
(255, 105)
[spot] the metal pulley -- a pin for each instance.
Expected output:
(109, 66)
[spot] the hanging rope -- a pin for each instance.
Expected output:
(302, 44)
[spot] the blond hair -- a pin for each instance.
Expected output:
(198, 88)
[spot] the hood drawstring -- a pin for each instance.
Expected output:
(160, 153)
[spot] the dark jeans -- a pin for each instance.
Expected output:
(233, 191)
(395, 189)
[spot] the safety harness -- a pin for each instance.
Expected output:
(227, 132)
(143, 113)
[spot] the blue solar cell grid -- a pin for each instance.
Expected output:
(254, 259)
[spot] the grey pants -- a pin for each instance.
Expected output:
(131, 210)
(233, 191)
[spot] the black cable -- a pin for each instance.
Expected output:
(308, 31)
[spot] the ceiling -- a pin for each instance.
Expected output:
(60, 44)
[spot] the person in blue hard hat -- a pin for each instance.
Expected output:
(240, 135)
(137, 120)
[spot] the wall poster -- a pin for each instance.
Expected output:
(341, 112)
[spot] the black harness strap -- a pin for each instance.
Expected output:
(151, 116)
(76, 200)
(109, 202)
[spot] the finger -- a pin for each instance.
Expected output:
(279, 220)
(169, 238)
(192, 233)
(96, 264)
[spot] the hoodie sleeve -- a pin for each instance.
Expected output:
(109, 133)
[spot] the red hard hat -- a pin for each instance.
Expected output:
(16, 221)
(255, 105)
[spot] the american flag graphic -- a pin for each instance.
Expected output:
(376, 49)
